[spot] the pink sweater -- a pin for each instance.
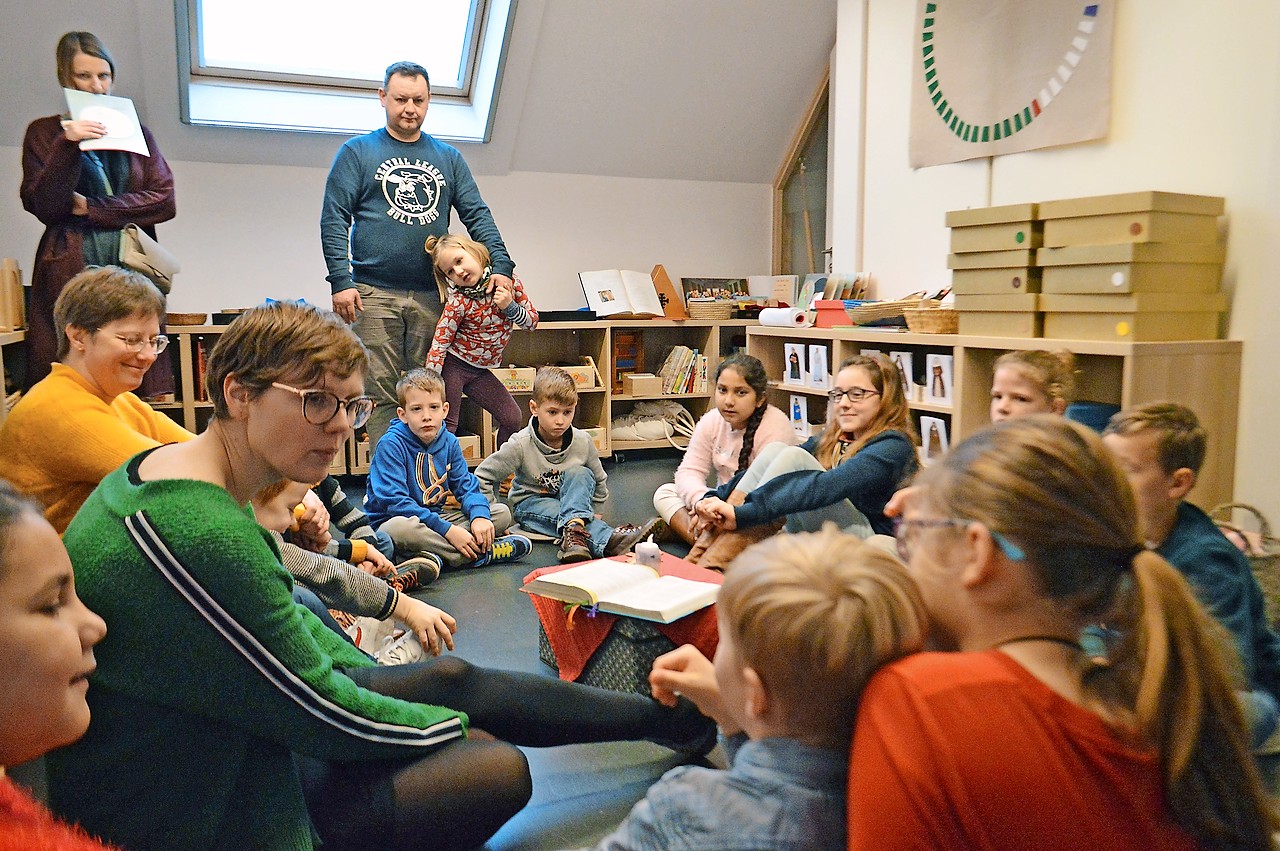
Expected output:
(715, 446)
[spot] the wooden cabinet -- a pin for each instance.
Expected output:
(1204, 375)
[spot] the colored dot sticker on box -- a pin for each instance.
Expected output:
(1019, 237)
(1122, 329)
(1117, 279)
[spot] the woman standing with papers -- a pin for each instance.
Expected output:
(84, 199)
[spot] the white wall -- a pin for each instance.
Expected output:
(248, 231)
(1195, 89)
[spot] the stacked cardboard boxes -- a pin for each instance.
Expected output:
(994, 274)
(1138, 266)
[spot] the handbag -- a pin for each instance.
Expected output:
(141, 253)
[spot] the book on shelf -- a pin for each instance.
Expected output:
(202, 393)
(626, 588)
(622, 294)
(700, 384)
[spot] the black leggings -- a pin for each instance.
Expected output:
(458, 796)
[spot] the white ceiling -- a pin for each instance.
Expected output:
(678, 89)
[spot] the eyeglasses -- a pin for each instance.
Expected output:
(855, 394)
(321, 406)
(902, 531)
(158, 343)
(903, 537)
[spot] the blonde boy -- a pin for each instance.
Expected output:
(805, 620)
(559, 481)
(416, 467)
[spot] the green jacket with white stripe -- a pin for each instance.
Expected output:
(209, 678)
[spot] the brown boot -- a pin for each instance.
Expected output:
(680, 527)
(700, 546)
(729, 543)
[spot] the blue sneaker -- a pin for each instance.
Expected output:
(505, 548)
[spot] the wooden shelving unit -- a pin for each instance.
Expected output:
(1202, 374)
(7, 338)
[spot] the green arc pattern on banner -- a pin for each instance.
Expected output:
(1002, 128)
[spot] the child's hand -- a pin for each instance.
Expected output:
(482, 529)
(313, 524)
(434, 627)
(463, 541)
(504, 291)
(377, 564)
(685, 671)
(900, 500)
(715, 512)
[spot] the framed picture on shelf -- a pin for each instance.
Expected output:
(819, 376)
(933, 439)
(799, 409)
(938, 379)
(721, 289)
(793, 371)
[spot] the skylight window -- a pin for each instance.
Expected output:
(314, 65)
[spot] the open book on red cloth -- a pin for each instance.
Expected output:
(573, 647)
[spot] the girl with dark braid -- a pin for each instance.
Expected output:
(725, 441)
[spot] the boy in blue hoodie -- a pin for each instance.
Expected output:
(416, 467)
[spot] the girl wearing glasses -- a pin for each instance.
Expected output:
(84, 198)
(846, 475)
(1087, 698)
(243, 722)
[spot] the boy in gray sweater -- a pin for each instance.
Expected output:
(558, 477)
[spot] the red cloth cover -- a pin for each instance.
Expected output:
(573, 647)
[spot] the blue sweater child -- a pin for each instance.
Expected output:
(410, 483)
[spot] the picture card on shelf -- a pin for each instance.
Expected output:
(793, 371)
(819, 377)
(800, 416)
(938, 379)
(779, 288)
(933, 438)
(870, 353)
(902, 360)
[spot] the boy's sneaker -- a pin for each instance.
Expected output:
(415, 572)
(626, 536)
(575, 544)
(505, 548)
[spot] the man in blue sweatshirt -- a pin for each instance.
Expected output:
(387, 192)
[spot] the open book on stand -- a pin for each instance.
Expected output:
(626, 588)
(619, 294)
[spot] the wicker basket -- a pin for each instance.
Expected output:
(710, 309)
(932, 320)
(1263, 554)
(872, 312)
(185, 318)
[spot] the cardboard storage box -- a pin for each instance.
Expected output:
(585, 375)
(1154, 267)
(358, 455)
(598, 438)
(1138, 317)
(994, 228)
(470, 444)
(641, 384)
(1013, 315)
(1131, 217)
(994, 272)
(517, 379)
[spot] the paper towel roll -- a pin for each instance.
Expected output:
(785, 317)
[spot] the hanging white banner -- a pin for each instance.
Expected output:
(1000, 76)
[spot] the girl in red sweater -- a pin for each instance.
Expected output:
(475, 325)
(46, 655)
